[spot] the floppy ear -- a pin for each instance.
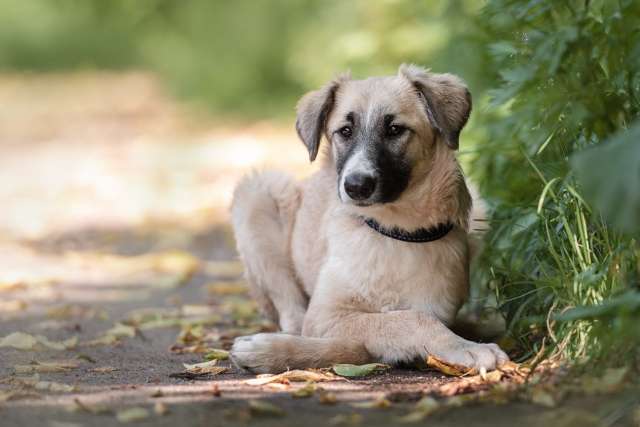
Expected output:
(313, 111)
(447, 101)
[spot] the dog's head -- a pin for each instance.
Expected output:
(383, 130)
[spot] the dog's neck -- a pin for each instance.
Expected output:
(437, 194)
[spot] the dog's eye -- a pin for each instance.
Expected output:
(346, 131)
(395, 130)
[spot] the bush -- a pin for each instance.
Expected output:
(569, 79)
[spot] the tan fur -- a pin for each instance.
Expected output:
(341, 292)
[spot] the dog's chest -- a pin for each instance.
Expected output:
(389, 275)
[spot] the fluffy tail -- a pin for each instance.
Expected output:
(273, 353)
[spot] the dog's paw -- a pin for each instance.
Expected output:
(474, 355)
(252, 353)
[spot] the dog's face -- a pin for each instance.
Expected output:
(382, 130)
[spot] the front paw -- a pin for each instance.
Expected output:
(473, 355)
(252, 353)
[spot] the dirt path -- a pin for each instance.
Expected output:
(114, 246)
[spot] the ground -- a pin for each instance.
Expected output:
(115, 246)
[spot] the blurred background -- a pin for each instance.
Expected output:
(125, 124)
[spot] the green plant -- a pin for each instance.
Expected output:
(569, 78)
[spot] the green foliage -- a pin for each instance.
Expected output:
(569, 79)
(610, 175)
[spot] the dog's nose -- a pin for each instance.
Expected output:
(359, 186)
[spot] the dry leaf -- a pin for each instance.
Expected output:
(306, 391)
(346, 420)
(297, 375)
(132, 415)
(46, 367)
(204, 368)
(160, 409)
(227, 288)
(104, 370)
(326, 397)
(96, 409)
(422, 409)
(54, 386)
(379, 403)
(23, 341)
(264, 408)
(224, 268)
(449, 368)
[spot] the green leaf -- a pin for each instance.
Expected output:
(610, 176)
(348, 370)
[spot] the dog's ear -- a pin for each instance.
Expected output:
(446, 98)
(312, 113)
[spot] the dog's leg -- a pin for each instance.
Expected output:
(263, 212)
(273, 353)
(390, 337)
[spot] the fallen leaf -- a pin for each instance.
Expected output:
(326, 397)
(422, 409)
(379, 403)
(306, 391)
(132, 415)
(104, 370)
(297, 375)
(217, 354)
(23, 341)
(346, 420)
(264, 408)
(160, 409)
(227, 288)
(224, 268)
(204, 368)
(46, 367)
(78, 406)
(54, 386)
(121, 330)
(348, 370)
(449, 368)
(20, 341)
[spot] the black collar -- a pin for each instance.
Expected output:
(420, 235)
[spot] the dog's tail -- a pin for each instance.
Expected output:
(278, 352)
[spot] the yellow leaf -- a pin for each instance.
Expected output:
(132, 415)
(204, 368)
(297, 375)
(306, 391)
(227, 288)
(379, 403)
(326, 397)
(160, 409)
(422, 409)
(217, 354)
(261, 407)
(104, 370)
(346, 420)
(20, 341)
(46, 367)
(224, 268)
(449, 368)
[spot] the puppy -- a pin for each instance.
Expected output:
(368, 259)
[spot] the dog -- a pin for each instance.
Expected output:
(368, 259)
